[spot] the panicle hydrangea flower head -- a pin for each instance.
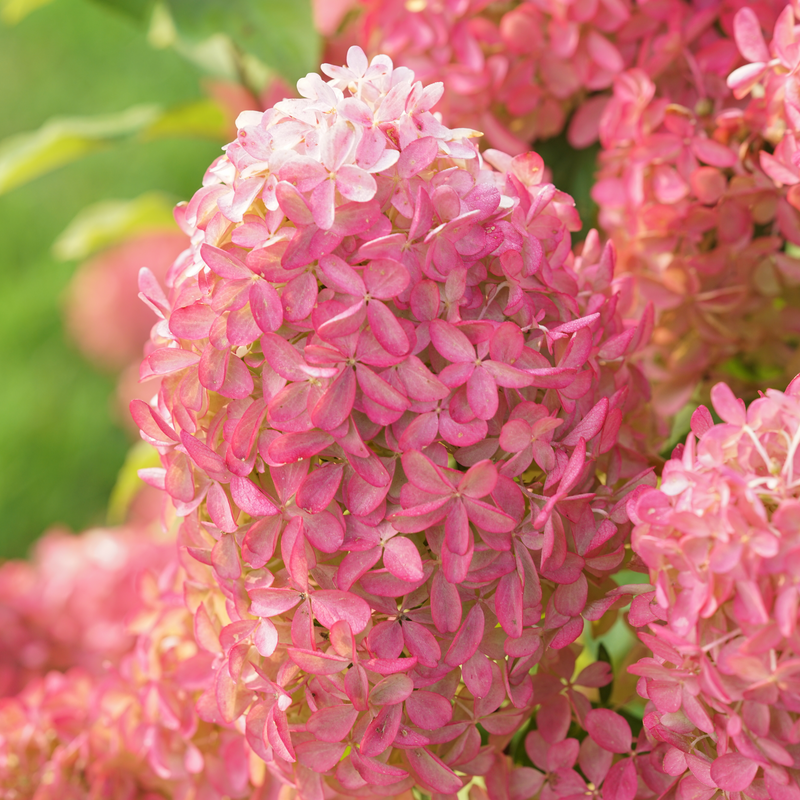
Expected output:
(388, 387)
(131, 729)
(518, 70)
(700, 197)
(70, 605)
(722, 540)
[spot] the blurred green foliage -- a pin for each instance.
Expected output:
(60, 446)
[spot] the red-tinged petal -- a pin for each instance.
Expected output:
(238, 382)
(456, 529)
(272, 602)
(230, 701)
(451, 342)
(421, 384)
(508, 604)
(567, 634)
(334, 407)
(213, 367)
(224, 264)
(378, 390)
(590, 425)
(749, 39)
(285, 359)
(467, 639)
(331, 605)
(574, 468)
(356, 687)
(515, 436)
(417, 156)
(424, 474)
(594, 761)
(477, 674)
(609, 730)
(375, 772)
(421, 643)
(420, 433)
(219, 508)
(385, 278)
(621, 782)
(733, 772)
(251, 499)
(744, 78)
(340, 276)
(299, 297)
(479, 480)
(354, 565)
(265, 305)
(402, 559)
(319, 487)
(332, 724)
(157, 478)
(265, 637)
(506, 375)
(445, 605)
(462, 435)
(255, 730)
(432, 772)
(317, 663)
(167, 360)
(319, 756)
(179, 482)
(488, 517)
(570, 599)
(323, 204)
(386, 329)
(391, 690)
(730, 408)
(428, 710)
(324, 531)
(482, 394)
(382, 731)
(293, 447)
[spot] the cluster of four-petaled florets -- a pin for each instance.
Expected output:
(366, 305)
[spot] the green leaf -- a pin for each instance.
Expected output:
(140, 10)
(12, 11)
(60, 141)
(203, 119)
(604, 691)
(102, 224)
(280, 33)
(128, 485)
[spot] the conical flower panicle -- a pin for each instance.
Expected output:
(391, 416)
(722, 540)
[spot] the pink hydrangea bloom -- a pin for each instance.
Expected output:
(388, 387)
(70, 605)
(697, 190)
(722, 540)
(130, 729)
(519, 70)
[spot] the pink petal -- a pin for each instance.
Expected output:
(382, 731)
(332, 724)
(334, 407)
(224, 264)
(445, 604)
(340, 276)
(432, 772)
(479, 480)
(424, 474)
(266, 307)
(386, 328)
(319, 487)
(391, 690)
(421, 643)
(332, 605)
(508, 604)
(609, 730)
(219, 508)
(428, 710)
(402, 559)
(467, 639)
(250, 498)
(482, 394)
(355, 183)
(272, 602)
(319, 756)
(451, 342)
(727, 405)
(417, 156)
(488, 517)
(385, 278)
(749, 39)
(316, 662)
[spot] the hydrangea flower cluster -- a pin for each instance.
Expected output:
(129, 729)
(518, 70)
(388, 389)
(722, 540)
(70, 605)
(699, 196)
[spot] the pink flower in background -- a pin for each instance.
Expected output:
(699, 199)
(721, 538)
(386, 386)
(70, 606)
